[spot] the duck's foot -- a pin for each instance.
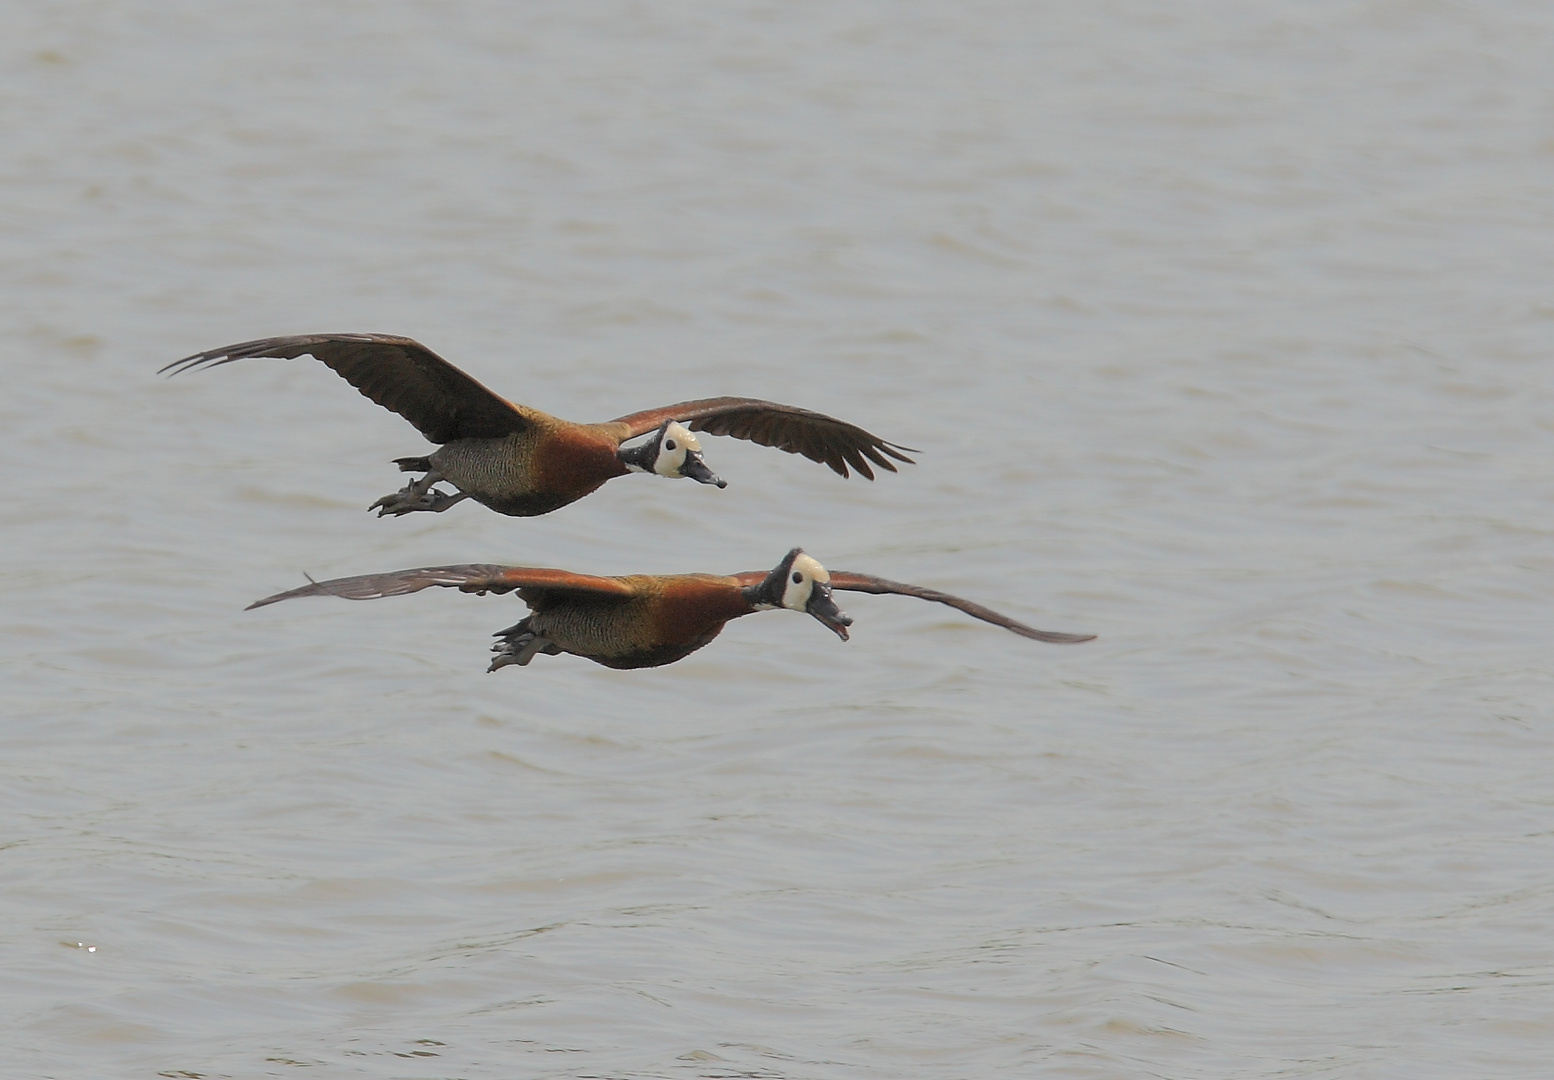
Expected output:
(407, 501)
(420, 494)
(519, 645)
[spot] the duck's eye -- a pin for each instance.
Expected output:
(798, 578)
(669, 445)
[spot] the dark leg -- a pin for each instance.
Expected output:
(417, 495)
(519, 645)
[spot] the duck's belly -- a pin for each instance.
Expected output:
(654, 657)
(527, 473)
(620, 635)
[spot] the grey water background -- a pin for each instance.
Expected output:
(1225, 331)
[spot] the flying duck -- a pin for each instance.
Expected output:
(645, 620)
(520, 461)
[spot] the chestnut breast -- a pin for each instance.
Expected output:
(668, 618)
(534, 471)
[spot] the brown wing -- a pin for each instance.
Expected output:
(402, 375)
(478, 578)
(842, 579)
(818, 437)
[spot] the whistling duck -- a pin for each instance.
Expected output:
(518, 460)
(645, 620)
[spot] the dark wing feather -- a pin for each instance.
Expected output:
(402, 375)
(471, 577)
(818, 437)
(850, 582)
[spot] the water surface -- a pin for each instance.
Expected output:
(1225, 335)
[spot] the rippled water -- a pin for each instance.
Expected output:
(1224, 330)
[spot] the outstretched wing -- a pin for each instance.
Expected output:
(402, 375)
(818, 437)
(471, 578)
(842, 579)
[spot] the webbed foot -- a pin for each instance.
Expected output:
(519, 645)
(420, 494)
(407, 501)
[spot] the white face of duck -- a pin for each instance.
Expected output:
(673, 452)
(675, 444)
(807, 588)
(803, 576)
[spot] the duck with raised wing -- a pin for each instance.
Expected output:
(646, 620)
(520, 461)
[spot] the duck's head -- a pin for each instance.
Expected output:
(800, 583)
(672, 451)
